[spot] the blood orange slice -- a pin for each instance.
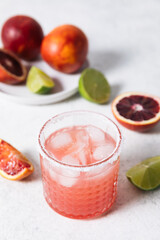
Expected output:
(137, 111)
(13, 165)
(12, 71)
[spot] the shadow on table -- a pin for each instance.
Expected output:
(36, 175)
(154, 130)
(115, 91)
(107, 60)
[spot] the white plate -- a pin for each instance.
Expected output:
(65, 86)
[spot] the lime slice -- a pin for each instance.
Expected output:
(39, 82)
(146, 174)
(93, 86)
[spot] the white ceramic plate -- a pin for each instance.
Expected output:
(65, 86)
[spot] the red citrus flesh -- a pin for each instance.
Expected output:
(137, 111)
(12, 71)
(13, 165)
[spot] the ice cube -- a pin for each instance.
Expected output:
(95, 134)
(82, 138)
(83, 151)
(67, 181)
(49, 169)
(52, 174)
(62, 139)
(69, 159)
(68, 177)
(103, 151)
(82, 157)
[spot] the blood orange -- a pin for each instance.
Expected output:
(137, 111)
(13, 165)
(12, 71)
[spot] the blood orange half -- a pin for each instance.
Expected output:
(13, 165)
(136, 111)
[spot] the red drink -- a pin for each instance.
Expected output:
(80, 170)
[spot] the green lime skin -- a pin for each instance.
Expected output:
(39, 82)
(94, 87)
(146, 174)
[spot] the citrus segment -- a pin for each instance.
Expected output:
(137, 111)
(93, 86)
(13, 165)
(39, 82)
(146, 175)
(12, 71)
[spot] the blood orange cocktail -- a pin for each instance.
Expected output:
(79, 153)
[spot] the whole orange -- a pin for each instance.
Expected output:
(65, 48)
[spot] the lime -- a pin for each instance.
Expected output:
(146, 174)
(93, 86)
(39, 82)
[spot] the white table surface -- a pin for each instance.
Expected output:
(124, 40)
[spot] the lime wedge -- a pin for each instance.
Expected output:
(146, 174)
(39, 82)
(93, 86)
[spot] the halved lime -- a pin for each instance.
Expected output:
(93, 86)
(146, 174)
(39, 82)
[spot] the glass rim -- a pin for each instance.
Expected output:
(51, 159)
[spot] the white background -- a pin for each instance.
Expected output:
(124, 43)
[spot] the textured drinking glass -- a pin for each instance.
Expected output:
(84, 191)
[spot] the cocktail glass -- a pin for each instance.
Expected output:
(84, 191)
